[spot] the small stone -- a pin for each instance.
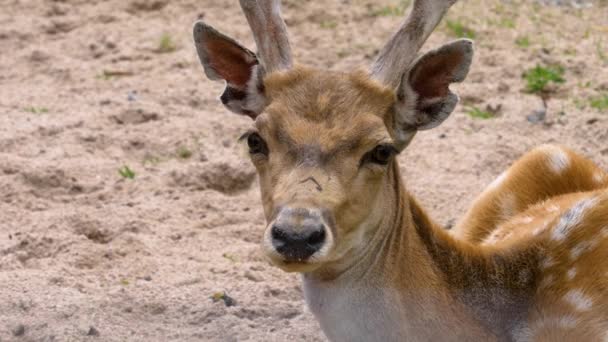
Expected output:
(592, 121)
(92, 331)
(252, 276)
(135, 116)
(228, 301)
(132, 96)
(503, 87)
(495, 109)
(449, 224)
(147, 6)
(39, 56)
(19, 330)
(537, 116)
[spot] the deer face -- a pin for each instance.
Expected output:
(324, 142)
(323, 155)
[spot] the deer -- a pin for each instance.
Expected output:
(527, 262)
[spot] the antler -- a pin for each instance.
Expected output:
(401, 49)
(269, 32)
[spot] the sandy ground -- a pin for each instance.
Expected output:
(86, 89)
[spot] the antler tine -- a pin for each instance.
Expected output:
(398, 53)
(269, 32)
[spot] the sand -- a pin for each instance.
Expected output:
(87, 88)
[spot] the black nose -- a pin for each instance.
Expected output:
(297, 244)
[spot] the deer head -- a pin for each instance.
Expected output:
(324, 142)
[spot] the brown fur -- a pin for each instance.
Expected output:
(485, 291)
(527, 262)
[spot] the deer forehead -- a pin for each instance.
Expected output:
(324, 95)
(325, 110)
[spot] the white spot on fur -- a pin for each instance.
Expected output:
(492, 238)
(547, 262)
(541, 228)
(558, 159)
(598, 177)
(578, 300)
(498, 181)
(581, 248)
(528, 333)
(571, 273)
(572, 218)
(525, 220)
(552, 208)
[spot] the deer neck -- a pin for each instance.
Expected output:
(412, 281)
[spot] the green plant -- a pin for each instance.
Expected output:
(166, 44)
(328, 24)
(151, 160)
(523, 42)
(103, 76)
(223, 296)
(126, 172)
(36, 110)
(230, 257)
(478, 113)
(539, 77)
(601, 54)
(459, 30)
(600, 102)
(392, 10)
(579, 103)
(183, 152)
(109, 74)
(507, 23)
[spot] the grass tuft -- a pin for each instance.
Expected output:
(507, 23)
(539, 77)
(151, 160)
(459, 30)
(396, 10)
(600, 102)
(183, 152)
(126, 172)
(523, 42)
(166, 44)
(601, 54)
(36, 110)
(478, 113)
(328, 24)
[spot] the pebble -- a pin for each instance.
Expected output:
(19, 330)
(537, 116)
(92, 331)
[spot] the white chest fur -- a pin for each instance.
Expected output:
(355, 313)
(363, 312)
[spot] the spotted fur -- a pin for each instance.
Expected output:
(528, 261)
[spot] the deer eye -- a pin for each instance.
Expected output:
(381, 154)
(256, 144)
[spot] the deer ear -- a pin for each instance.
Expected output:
(225, 59)
(424, 98)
